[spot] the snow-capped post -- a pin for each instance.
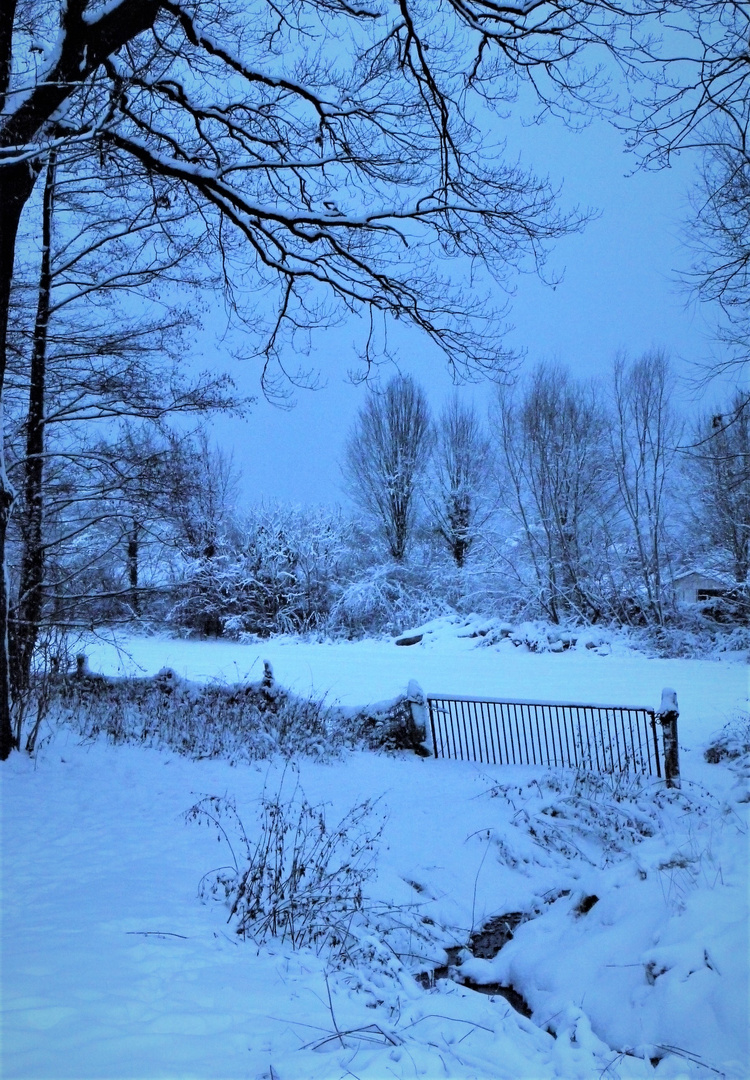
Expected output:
(267, 681)
(418, 704)
(267, 687)
(667, 717)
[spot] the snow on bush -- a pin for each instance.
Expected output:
(237, 723)
(732, 743)
(385, 598)
(241, 722)
(639, 940)
(300, 880)
(732, 747)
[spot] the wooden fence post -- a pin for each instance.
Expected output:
(667, 717)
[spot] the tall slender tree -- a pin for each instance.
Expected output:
(554, 482)
(459, 490)
(387, 456)
(644, 444)
(78, 357)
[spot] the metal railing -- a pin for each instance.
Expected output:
(607, 738)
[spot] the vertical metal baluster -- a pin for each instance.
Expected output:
(538, 738)
(518, 717)
(448, 713)
(596, 714)
(490, 752)
(471, 710)
(460, 712)
(468, 709)
(577, 746)
(554, 722)
(505, 736)
(445, 721)
(510, 729)
(617, 738)
(457, 729)
(444, 729)
(497, 753)
(596, 741)
(643, 760)
(437, 721)
(559, 746)
(589, 762)
(632, 741)
(548, 721)
(567, 723)
(525, 721)
(545, 711)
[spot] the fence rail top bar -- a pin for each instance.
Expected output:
(552, 704)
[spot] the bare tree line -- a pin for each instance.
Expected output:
(600, 491)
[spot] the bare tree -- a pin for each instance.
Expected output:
(644, 443)
(387, 455)
(555, 485)
(459, 496)
(719, 467)
(77, 357)
(693, 83)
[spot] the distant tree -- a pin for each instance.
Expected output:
(644, 442)
(459, 496)
(387, 455)
(719, 466)
(554, 483)
(203, 493)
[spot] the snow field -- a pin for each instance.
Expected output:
(112, 967)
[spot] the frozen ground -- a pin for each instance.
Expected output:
(113, 967)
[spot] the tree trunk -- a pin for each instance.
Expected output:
(26, 619)
(16, 185)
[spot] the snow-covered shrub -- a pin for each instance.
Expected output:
(279, 573)
(541, 637)
(301, 880)
(690, 636)
(243, 722)
(595, 818)
(732, 744)
(384, 598)
(390, 725)
(238, 723)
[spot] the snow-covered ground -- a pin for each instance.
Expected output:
(113, 967)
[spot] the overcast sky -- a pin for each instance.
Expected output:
(619, 293)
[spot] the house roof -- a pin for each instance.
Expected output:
(725, 580)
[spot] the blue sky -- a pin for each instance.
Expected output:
(619, 292)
